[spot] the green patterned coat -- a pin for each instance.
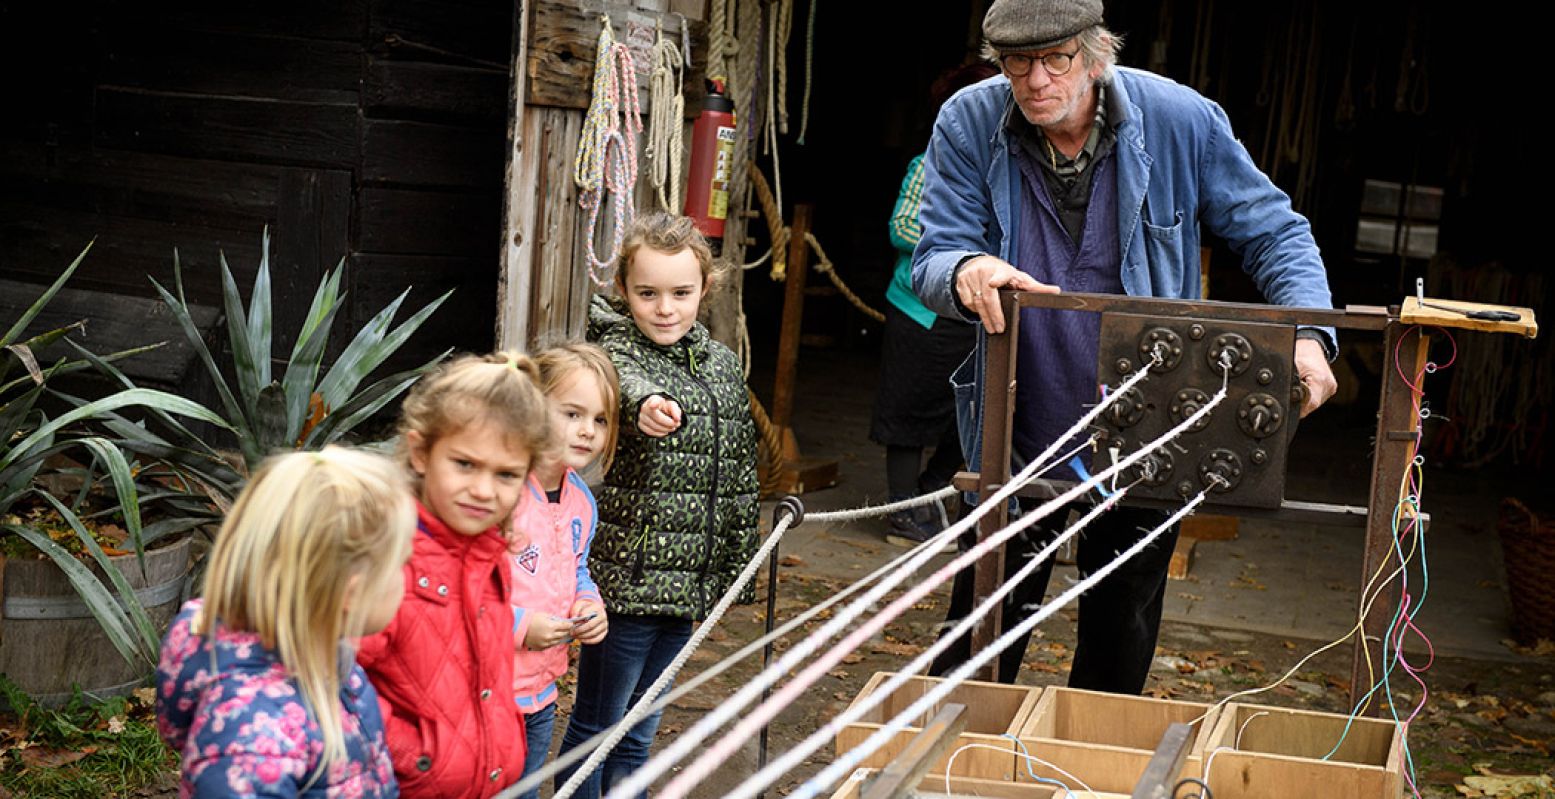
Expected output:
(678, 514)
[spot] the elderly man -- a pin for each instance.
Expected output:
(1067, 172)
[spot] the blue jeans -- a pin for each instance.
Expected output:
(612, 676)
(537, 731)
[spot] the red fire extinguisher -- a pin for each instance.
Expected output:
(712, 164)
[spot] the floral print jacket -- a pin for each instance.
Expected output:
(242, 728)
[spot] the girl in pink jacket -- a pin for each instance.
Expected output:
(554, 599)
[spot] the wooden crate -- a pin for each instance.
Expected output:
(853, 788)
(1258, 752)
(993, 712)
(1105, 740)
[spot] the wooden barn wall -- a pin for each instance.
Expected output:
(547, 284)
(369, 130)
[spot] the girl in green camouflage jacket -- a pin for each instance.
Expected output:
(677, 511)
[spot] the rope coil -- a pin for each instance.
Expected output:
(666, 110)
(607, 147)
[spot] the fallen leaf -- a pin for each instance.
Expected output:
(115, 725)
(790, 560)
(896, 648)
(1189, 597)
(1507, 786)
(851, 658)
(148, 696)
(839, 674)
(48, 757)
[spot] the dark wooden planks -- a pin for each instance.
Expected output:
(444, 30)
(423, 222)
(418, 90)
(425, 154)
(235, 65)
(227, 128)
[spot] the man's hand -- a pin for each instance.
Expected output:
(978, 281)
(658, 416)
(1312, 369)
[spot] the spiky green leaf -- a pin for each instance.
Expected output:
(240, 422)
(374, 350)
(43, 300)
(135, 396)
(110, 616)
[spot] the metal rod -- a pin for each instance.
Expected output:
(1353, 317)
(790, 506)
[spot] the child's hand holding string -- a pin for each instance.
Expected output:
(546, 631)
(592, 624)
(658, 416)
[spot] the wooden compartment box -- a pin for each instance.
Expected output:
(1258, 752)
(993, 712)
(853, 788)
(1105, 740)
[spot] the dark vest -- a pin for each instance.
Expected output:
(1056, 365)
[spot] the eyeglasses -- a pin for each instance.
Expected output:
(1018, 65)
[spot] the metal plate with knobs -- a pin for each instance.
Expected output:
(1239, 451)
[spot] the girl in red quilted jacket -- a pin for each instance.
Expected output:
(555, 600)
(444, 666)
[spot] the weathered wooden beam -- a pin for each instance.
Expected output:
(564, 42)
(897, 780)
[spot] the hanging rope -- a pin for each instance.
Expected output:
(827, 268)
(781, 31)
(777, 232)
(607, 148)
(809, 71)
(771, 449)
(666, 112)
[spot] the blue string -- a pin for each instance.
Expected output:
(1079, 469)
(1032, 772)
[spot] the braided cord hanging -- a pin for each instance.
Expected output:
(612, 118)
(666, 110)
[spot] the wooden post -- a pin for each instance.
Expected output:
(793, 320)
(1398, 431)
(798, 473)
(519, 203)
(994, 473)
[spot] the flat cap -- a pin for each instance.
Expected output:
(1017, 25)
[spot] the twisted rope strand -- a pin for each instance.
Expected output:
(666, 112)
(610, 128)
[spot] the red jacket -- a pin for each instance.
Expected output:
(444, 669)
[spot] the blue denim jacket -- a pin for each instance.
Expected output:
(1178, 167)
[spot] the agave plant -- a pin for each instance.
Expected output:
(275, 406)
(28, 438)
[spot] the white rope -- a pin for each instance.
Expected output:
(721, 715)
(850, 759)
(771, 140)
(855, 711)
(717, 38)
(642, 710)
(880, 510)
(612, 119)
(820, 665)
(577, 753)
(666, 115)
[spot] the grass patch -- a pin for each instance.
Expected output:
(88, 749)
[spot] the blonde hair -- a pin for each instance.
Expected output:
(501, 388)
(560, 362)
(311, 531)
(668, 234)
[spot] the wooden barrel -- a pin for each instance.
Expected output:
(49, 640)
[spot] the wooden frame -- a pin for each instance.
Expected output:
(1260, 752)
(853, 788)
(1106, 740)
(993, 712)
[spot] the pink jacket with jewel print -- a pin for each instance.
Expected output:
(549, 555)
